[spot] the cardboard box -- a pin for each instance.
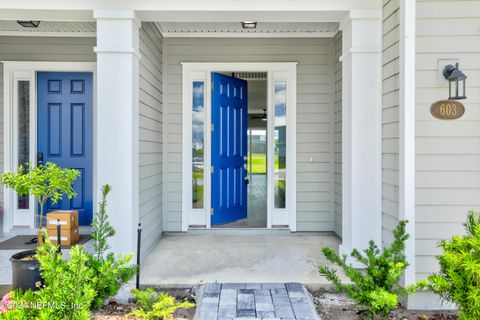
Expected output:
(67, 236)
(68, 219)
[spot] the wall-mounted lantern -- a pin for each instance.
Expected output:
(456, 82)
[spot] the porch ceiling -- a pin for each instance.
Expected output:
(175, 29)
(69, 28)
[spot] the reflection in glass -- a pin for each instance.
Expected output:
(23, 132)
(257, 151)
(198, 120)
(280, 145)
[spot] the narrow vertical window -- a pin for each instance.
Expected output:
(198, 134)
(23, 132)
(280, 144)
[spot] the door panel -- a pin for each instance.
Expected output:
(229, 149)
(65, 133)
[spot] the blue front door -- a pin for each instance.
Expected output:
(64, 133)
(229, 149)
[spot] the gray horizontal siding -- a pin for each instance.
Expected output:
(447, 152)
(390, 118)
(40, 49)
(150, 136)
(314, 101)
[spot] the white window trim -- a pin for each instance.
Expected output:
(277, 71)
(27, 70)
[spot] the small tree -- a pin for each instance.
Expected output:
(102, 230)
(44, 182)
(376, 286)
(458, 280)
(111, 271)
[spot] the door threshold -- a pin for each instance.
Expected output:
(233, 231)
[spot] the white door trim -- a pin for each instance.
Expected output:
(27, 70)
(277, 71)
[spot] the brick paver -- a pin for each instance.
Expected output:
(267, 301)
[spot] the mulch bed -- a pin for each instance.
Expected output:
(114, 311)
(334, 306)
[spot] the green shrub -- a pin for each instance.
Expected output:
(102, 230)
(20, 306)
(110, 271)
(152, 306)
(66, 283)
(74, 287)
(67, 291)
(109, 275)
(375, 286)
(458, 280)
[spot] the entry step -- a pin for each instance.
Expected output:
(268, 301)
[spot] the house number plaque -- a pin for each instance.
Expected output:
(447, 109)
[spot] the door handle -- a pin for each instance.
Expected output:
(39, 158)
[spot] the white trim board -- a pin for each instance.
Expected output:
(277, 71)
(18, 70)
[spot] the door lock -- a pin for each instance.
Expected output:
(247, 181)
(39, 158)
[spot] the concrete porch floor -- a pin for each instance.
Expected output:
(237, 256)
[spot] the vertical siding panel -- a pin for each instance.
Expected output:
(445, 192)
(390, 118)
(314, 203)
(150, 136)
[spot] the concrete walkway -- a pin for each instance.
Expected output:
(248, 256)
(254, 301)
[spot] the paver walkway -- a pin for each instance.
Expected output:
(286, 301)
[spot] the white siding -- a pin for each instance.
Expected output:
(447, 152)
(314, 103)
(40, 49)
(338, 135)
(150, 134)
(390, 118)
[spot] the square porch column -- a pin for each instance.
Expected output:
(361, 126)
(117, 121)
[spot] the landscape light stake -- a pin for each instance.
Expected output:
(59, 240)
(139, 244)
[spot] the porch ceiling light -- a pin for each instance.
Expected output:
(29, 23)
(249, 24)
(456, 82)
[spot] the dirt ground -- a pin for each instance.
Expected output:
(333, 306)
(116, 311)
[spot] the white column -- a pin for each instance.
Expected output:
(117, 120)
(361, 127)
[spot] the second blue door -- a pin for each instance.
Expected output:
(229, 149)
(64, 133)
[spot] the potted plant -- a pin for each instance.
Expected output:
(44, 182)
